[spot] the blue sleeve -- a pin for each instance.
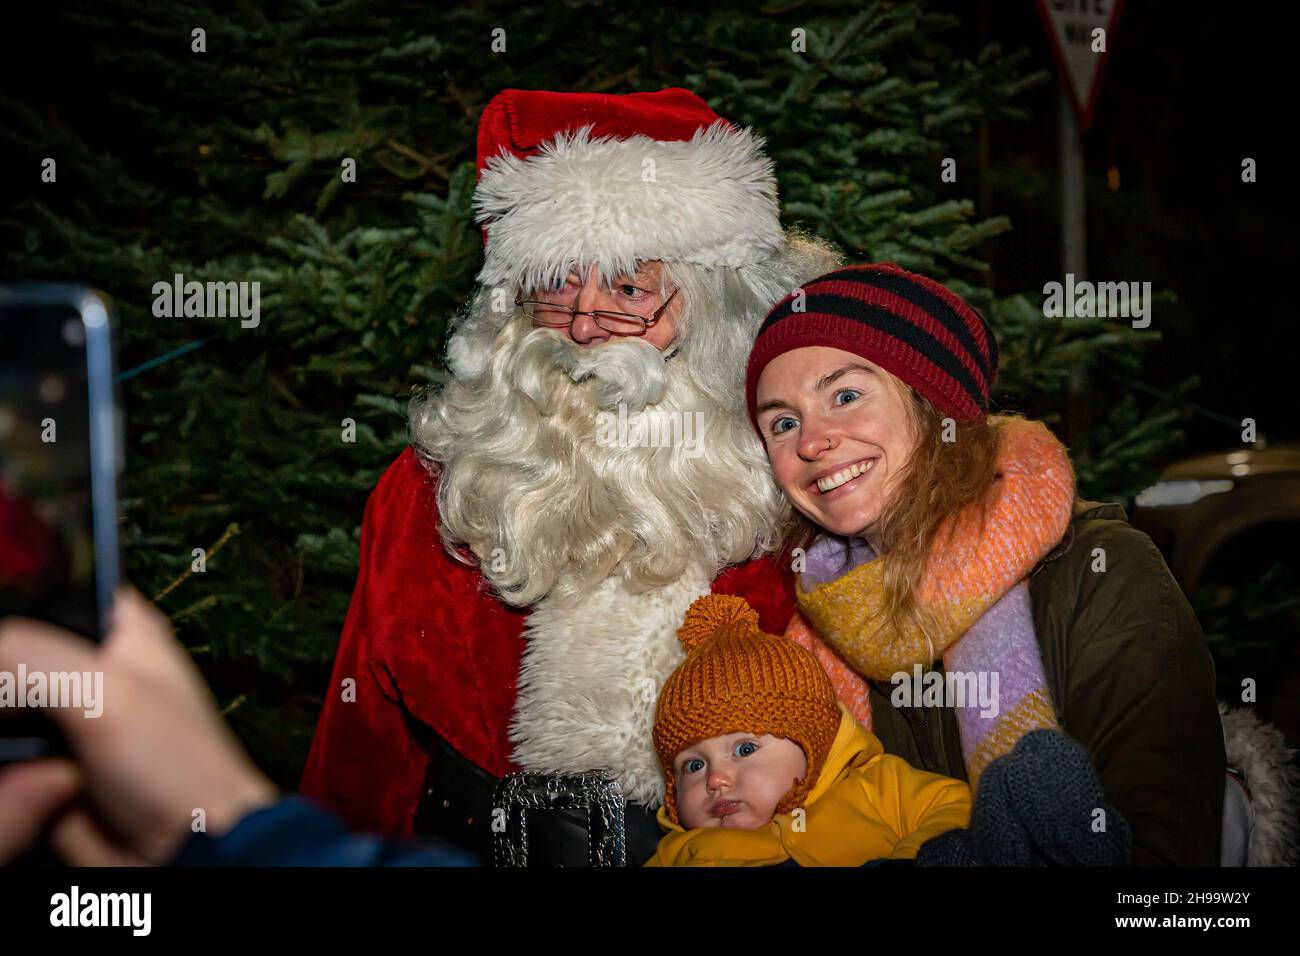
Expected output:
(295, 832)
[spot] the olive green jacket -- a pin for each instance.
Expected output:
(1132, 680)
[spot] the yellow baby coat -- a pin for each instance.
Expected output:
(866, 805)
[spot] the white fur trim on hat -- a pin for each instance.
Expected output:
(710, 200)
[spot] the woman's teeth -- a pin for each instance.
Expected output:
(846, 474)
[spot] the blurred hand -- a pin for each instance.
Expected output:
(159, 751)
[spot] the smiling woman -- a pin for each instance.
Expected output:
(929, 534)
(859, 451)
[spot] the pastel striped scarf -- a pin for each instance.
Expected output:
(976, 583)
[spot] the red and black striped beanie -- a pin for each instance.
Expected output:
(909, 325)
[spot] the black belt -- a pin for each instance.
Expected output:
(532, 819)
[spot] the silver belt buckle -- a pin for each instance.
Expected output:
(594, 791)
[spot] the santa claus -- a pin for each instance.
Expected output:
(523, 573)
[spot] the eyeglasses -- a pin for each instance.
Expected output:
(552, 315)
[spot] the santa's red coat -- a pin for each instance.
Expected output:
(426, 640)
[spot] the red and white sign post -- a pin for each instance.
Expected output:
(1081, 33)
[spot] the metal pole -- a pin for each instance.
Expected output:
(985, 140)
(1074, 252)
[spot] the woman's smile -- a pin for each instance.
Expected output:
(833, 483)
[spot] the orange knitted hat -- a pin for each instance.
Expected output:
(738, 679)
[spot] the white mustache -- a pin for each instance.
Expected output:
(631, 372)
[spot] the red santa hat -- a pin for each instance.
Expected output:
(568, 179)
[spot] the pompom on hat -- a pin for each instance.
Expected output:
(568, 179)
(738, 679)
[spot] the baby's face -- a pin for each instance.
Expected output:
(735, 781)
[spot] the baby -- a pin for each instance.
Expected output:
(763, 765)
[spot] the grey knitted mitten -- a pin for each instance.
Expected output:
(1037, 806)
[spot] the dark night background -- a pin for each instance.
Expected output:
(188, 180)
(1189, 91)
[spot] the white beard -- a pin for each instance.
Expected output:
(550, 501)
(616, 541)
(590, 678)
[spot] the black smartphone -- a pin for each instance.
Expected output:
(60, 457)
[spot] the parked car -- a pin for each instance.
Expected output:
(1201, 505)
(1228, 525)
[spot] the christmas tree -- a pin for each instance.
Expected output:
(326, 152)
